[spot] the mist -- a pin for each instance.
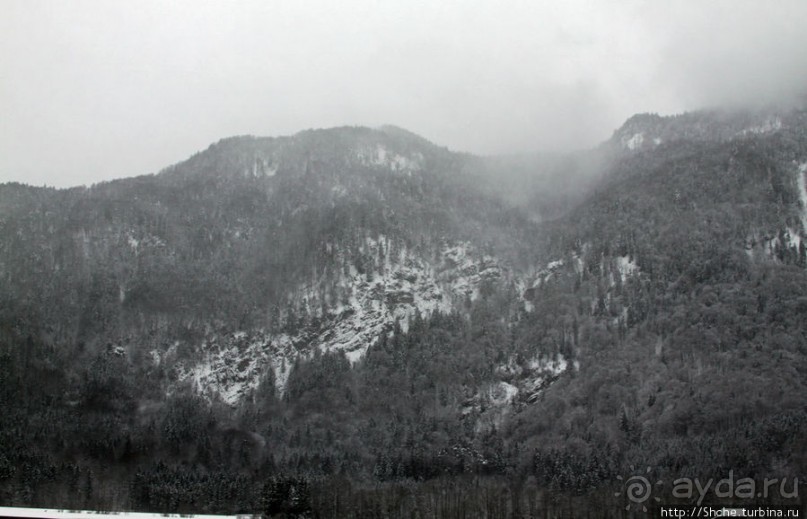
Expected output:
(94, 90)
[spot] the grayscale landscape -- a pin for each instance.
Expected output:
(304, 259)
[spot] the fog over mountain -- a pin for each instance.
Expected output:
(93, 90)
(449, 259)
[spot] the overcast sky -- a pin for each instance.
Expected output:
(100, 89)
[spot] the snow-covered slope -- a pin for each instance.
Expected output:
(405, 283)
(379, 157)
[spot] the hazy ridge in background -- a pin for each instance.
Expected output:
(97, 90)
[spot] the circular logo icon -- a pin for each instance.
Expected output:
(638, 490)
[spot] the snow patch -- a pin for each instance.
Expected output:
(282, 360)
(463, 271)
(144, 241)
(626, 266)
(491, 405)
(54, 513)
(768, 247)
(793, 238)
(502, 393)
(261, 167)
(381, 157)
(633, 142)
(553, 268)
(552, 365)
(544, 371)
(801, 181)
(528, 380)
(771, 125)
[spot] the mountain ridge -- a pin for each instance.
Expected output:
(362, 304)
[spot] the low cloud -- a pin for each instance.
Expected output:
(94, 90)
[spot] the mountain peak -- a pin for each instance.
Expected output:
(341, 148)
(647, 130)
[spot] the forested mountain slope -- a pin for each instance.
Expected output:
(350, 306)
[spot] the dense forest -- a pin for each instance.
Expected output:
(644, 307)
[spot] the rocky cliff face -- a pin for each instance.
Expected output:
(397, 286)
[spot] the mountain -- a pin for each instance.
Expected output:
(355, 229)
(278, 321)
